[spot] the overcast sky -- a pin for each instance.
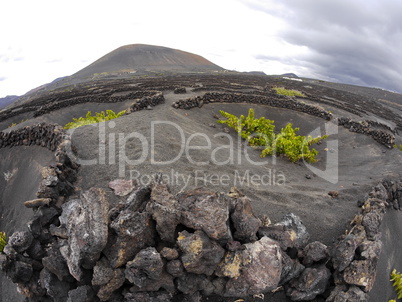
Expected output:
(357, 42)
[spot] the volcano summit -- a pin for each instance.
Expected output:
(141, 58)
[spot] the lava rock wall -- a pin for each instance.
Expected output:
(273, 100)
(381, 133)
(155, 246)
(383, 137)
(44, 135)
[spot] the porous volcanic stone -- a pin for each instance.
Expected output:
(117, 280)
(315, 252)
(86, 221)
(134, 231)
(291, 268)
(344, 251)
(371, 223)
(261, 269)
(160, 296)
(55, 288)
(290, 232)
(122, 187)
(83, 293)
(147, 263)
(20, 241)
(56, 264)
(312, 282)
(342, 293)
(294, 223)
(200, 254)
(164, 209)
(191, 283)
(169, 253)
(103, 272)
(175, 268)
(361, 273)
(244, 221)
(206, 211)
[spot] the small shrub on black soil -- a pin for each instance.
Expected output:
(260, 132)
(97, 118)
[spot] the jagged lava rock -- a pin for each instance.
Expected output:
(191, 283)
(244, 221)
(342, 293)
(147, 264)
(200, 254)
(175, 268)
(169, 253)
(107, 278)
(312, 282)
(116, 281)
(361, 273)
(315, 252)
(230, 265)
(291, 268)
(160, 296)
(83, 293)
(293, 222)
(134, 231)
(199, 206)
(344, 251)
(20, 241)
(56, 264)
(86, 221)
(261, 269)
(290, 232)
(55, 288)
(122, 187)
(164, 209)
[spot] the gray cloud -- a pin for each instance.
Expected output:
(357, 42)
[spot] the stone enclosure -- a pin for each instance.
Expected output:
(154, 246)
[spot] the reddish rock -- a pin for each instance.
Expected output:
(206, 211)
(122, 187)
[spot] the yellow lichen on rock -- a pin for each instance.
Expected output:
(231, 265)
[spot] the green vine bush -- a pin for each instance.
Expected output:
(260, 133)
(288, 92)
(97, 118)
(396, 278)
(398, 147)
(15, 124)
(3, 241)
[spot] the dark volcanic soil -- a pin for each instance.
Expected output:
(19, 180)
(143, 143)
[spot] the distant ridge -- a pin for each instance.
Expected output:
(142, 57)
(4, 102)
(290, 75)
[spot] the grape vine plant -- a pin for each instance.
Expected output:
(260, 133)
